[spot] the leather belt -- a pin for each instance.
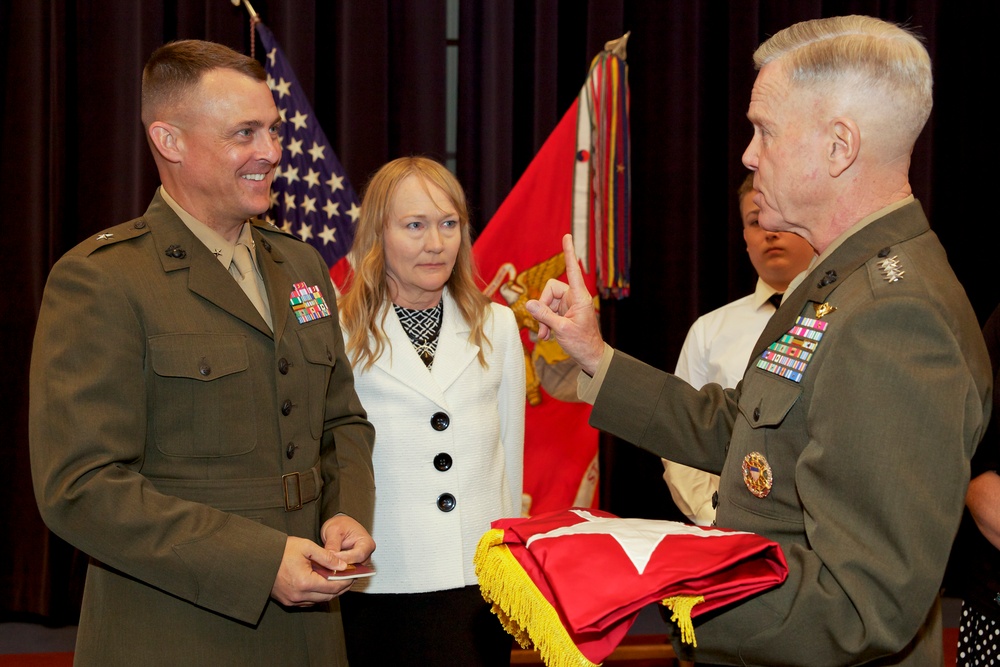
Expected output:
(290, 491)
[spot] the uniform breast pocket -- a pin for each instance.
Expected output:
(202, 396)
(318, 350)
(765, 400)
(759, 475)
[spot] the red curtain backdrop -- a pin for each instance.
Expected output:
(73, 159)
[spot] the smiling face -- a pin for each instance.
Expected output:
(228, 142)
(776, 256)
(787, 153)
(422, 237)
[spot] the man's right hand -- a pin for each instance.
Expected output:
(566, 311)
(297, 584)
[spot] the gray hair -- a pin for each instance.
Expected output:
(868, 55)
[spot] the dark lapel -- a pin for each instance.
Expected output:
(902, 224)
(179, 249)
(276, 279)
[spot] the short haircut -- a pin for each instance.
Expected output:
(867, 54)
(177, 67)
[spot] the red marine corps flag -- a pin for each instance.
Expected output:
(579, 183)
(575, 608)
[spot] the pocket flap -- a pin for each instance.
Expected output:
(202, 357)
(765, 401)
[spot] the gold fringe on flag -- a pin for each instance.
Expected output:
(520, 606)
(682, 605)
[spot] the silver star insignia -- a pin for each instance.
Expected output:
(891, 269)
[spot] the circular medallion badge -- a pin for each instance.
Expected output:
(757, 474)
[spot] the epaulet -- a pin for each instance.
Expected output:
(891, 268)
(123, 232)
(272, 228)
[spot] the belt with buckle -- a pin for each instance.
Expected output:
(291, 491)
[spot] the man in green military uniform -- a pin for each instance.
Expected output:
(199, 441)
(848, 440)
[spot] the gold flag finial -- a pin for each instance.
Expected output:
(617, 46)
(246, 3)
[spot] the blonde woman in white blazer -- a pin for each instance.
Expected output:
(440, 370)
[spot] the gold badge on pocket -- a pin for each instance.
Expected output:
(757, 474)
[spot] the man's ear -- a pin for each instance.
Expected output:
(845, 144)
(166, 139)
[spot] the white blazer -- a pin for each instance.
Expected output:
(420, 547)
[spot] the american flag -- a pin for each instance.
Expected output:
(310, 195)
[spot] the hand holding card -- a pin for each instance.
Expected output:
(350, 572)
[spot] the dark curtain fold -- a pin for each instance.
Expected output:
(73, 158)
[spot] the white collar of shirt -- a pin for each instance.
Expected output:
(761, 294)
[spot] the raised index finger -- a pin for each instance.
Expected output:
(574, 276)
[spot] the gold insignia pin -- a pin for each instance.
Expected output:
(757, 474)
(823, 309)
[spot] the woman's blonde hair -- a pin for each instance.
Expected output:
(365, 304)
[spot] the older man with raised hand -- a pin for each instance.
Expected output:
(848, 440)
(194, 426)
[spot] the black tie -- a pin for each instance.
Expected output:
(775, 300)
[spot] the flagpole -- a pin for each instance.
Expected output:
(254, 20)
(246, 3)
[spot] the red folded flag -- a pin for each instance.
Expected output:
(572, 582)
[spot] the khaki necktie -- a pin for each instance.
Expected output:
(242, 269)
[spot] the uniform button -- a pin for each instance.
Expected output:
(715, 500)
(442, 461)
(290, 450)
(440, 421)
(204, 368)
(139, 224)
(286, 407)
(446, 502)
(283, 366)
(756, 414)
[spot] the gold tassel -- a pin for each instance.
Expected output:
(520, 606)
(681, 605)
